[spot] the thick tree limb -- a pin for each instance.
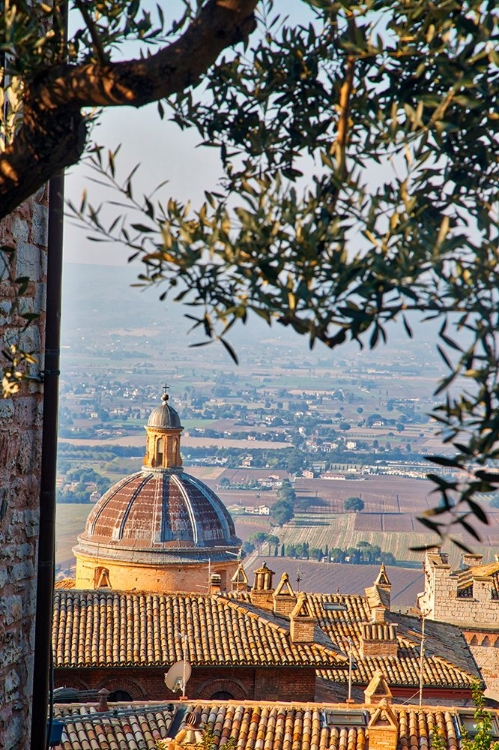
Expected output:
(53, 133)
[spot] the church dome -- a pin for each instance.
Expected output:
(159, 514)
(157, 519)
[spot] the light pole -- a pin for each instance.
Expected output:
(422, 636)
(349, 699)
(421, 660)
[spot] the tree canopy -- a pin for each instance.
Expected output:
(360, 175)
(355, 504)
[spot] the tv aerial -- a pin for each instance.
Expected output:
(177, 676)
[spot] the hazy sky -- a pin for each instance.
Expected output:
(165, 153)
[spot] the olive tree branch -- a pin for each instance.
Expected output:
(53, 133)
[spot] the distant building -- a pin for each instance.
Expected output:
(159, 529)
(469, 598)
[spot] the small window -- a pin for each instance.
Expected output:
(344, 718)
(467, 724)
(101, 578)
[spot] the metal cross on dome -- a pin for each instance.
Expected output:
(165, 392)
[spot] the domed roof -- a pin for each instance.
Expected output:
(158, 516)
(161, 514)
(164, 416)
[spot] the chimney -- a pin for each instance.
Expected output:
(382, 730)
(378, 614)
(378, 639)
(262, 591)
(470, 560)
(377, 690)
(302, 622)
(240, 580)
(284, 597)
(103, 705)
(215, 583)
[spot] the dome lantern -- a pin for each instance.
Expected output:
(163, 437)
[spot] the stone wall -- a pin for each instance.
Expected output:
(20, 451)
(485, 649)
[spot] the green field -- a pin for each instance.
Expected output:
(70, 521)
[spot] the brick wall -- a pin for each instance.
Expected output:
(20, 452)
(147, 683)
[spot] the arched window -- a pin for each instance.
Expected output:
(101, 578)
(222, 695)
(119, 696)
(159, 451)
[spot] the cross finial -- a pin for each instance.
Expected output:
(165, 396)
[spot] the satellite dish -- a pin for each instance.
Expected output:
(178, 675)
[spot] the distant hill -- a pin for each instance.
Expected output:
(99, 299)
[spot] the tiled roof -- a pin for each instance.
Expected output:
(266, 726)
(489, 570)
(107, 628)
(447, 663)
(135, 727)
(65, 583)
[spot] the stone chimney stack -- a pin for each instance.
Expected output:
(382, 730)
(302, 622)
(378, 639)
(377, 690)
(470, 560)
(262, 592)
(284, 597)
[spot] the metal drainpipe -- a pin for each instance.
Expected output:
(46, 544)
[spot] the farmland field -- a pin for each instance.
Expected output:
(329, 578)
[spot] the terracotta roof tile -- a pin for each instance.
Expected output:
(448, 661)
(263, 726)
(107, 628)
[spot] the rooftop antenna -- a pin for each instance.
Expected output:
(298, 578)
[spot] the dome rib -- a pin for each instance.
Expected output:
(124, 519)
(189, 507)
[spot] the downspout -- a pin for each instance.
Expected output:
(46, 544)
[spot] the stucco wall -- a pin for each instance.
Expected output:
(131, 576)
(20, 453)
